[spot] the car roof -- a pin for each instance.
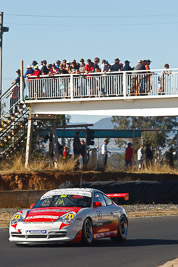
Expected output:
(83, 191)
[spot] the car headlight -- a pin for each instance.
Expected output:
(16, 218)
(67, 218)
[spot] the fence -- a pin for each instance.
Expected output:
(111, 84)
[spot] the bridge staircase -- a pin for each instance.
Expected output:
(14, 122)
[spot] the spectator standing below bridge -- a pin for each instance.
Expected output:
(170, 158)
(83, 154)
(129, 156)
(77, 149)
(105, 152)
(140, 154)
(149, 155)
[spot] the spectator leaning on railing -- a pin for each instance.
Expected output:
(29, 71)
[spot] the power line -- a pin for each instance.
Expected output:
(93, 16)
(94, 25)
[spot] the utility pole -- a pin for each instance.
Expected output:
(2, 30)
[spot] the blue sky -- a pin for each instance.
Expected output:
(71, 29)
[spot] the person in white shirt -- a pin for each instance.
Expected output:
(140, 154)
(105, 152)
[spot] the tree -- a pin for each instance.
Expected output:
(157, 139)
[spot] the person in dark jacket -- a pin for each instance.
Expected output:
(77, 149)
(149, 155)
(127, 66)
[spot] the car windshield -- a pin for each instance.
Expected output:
(64, 201)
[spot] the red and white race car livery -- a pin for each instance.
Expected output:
(72, 214)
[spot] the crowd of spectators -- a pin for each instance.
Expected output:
(139, 81)
(74, 67)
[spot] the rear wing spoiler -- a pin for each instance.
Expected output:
(119, 195)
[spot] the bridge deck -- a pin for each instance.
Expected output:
(134, 93)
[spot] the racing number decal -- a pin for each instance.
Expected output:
(99, 215)
(16, 217)
(69, 216)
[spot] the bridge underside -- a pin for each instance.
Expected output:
(140, 106)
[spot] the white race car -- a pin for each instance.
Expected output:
(72, 214)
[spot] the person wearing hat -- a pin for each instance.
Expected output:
(129, 156)
(127, 66)
(29, 71)
(116, 66)
(44, 69)
(74, 68)
(34, 63)
(36, 72)
(17, 80)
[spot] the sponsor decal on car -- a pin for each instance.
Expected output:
(51, 210)
(36, 232)
(42, 217)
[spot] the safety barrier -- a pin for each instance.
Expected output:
(110, 84)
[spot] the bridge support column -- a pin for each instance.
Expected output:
(28, 143)
(55, 145)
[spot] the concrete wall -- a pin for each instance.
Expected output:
(21, 199)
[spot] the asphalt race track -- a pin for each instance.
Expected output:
(151, 242)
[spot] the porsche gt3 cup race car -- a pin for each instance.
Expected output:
(72, 214)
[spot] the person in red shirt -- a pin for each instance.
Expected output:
(129, 155)
(89, 68)
(65, 153)
(36, 72)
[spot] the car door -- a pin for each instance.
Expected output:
(112, 213)
(102, 217)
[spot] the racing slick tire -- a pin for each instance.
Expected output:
(87, 232)
(122, 229)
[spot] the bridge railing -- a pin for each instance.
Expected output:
(111, 84)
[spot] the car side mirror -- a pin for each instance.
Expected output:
(97, 204)
(32, 205)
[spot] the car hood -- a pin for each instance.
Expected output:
(48, 214)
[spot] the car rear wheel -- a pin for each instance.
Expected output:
(87, 232)
(122, 229)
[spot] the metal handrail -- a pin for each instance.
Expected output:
(122, 84)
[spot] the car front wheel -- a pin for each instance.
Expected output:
(87, 232)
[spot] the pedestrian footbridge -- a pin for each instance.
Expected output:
(132, 93)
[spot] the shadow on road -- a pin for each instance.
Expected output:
(109, 243)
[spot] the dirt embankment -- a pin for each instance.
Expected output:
(46, 180)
